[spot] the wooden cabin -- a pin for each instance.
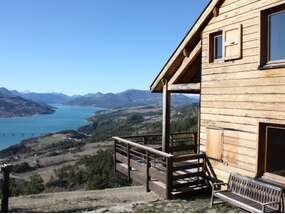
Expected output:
(234, 55)
(234, 58)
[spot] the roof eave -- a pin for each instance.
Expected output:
(194, 30)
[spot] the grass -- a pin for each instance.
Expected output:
(195, 204)
(52, 139)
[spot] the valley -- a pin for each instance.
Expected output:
(59, 158)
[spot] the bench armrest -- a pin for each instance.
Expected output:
(264, 205)
(215, 185)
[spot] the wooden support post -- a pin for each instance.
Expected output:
(5, 190)
(195, 136)
(169, 178)
(199, 126)
(166, 118)
(147, 172)
(114, 156)
(145, 140)
(129, 163)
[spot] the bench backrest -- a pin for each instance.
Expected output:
(255, 190)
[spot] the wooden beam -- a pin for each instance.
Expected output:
(186, 63)
(166, 118)
(192, 88)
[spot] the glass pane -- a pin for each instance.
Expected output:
(276, 151)
(218, 47)
(277, 36)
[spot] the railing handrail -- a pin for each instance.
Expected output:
(146, 148)
(157, 135)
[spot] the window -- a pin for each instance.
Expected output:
(271, 149)
(226, 45)
(276, 41)
(273, 36)
(218, 40)
(215, 46)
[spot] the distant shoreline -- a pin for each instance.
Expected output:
(24, 128)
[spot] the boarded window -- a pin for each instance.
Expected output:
(232, 42)
(214, 143)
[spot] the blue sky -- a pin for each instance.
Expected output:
(85, 46)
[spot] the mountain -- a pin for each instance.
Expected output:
(47, 98)
(13, 106)
(6, 93)
(127, 98)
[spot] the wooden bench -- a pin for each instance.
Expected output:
(249, 194)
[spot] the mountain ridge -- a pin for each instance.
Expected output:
(127, 98)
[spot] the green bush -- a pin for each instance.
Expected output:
(135, 118)
(90, 172)
(34, 186)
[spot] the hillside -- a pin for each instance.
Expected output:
(127, 98)
(18, 107)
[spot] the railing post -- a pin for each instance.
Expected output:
(115, 158)
(129, 163)
(145, 140)
(5, 190)
(196, 149)
(147, 172)
(169, 177)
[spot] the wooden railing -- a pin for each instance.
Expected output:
(182, 142)
(148, 163)
(164, 173)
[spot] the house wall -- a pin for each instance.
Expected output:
(236, 96)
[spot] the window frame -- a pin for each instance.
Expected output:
(215, 48)
(265, 62)
(212, 46)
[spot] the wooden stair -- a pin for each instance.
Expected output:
(186, 181)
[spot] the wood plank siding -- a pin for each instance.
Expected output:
(235, 95)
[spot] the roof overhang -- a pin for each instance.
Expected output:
(187, 45)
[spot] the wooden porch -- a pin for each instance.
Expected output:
(178, 173)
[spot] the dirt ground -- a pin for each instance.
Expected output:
(119, 200)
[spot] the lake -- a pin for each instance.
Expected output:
(14, 130)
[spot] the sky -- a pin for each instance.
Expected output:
(86, 46)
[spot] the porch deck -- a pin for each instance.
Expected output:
(180, 172)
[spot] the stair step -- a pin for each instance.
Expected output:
(186, 184)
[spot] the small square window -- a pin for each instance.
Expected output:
(215, 46)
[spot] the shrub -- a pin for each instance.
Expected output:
(90, 172)
(35, 185)
(135, 118)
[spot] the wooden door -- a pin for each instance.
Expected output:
(272, 151)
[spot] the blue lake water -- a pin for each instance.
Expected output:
(14, 130)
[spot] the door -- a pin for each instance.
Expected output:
(272, 151)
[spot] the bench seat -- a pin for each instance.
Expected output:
(243, 203)
(249, 194)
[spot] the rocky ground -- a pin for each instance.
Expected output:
(119, 200)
